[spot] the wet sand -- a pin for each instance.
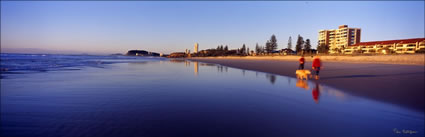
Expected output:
(181, 98)
(401, 85)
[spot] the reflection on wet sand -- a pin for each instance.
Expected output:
(195, 68)
(302, 84)
(139, 63)
(316, 92)
(336, 93)
(196, 65)
(318, 89)
(177, 60)
(271, 77)
(221, 68)
(186, 63)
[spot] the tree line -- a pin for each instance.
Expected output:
(301, 47)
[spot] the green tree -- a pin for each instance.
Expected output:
(273, 41)
(307, 45)
(322, 48)
(268, 47)
(226, 48)
(300, 43)
(271, 44)
(243, 49)
(290, 43)
(257, 49)
(262, 49)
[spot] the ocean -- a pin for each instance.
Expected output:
(82, 95)
(16, 63)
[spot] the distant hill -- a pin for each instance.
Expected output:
(141, 53)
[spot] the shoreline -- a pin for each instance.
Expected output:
(398, 84)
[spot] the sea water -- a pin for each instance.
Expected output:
(82, 95)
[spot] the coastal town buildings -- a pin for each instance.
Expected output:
(402, 46)
(339, 39)
(177, 55)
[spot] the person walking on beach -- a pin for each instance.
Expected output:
(302, 61)
(316, 66)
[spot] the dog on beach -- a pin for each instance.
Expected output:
(303, 74)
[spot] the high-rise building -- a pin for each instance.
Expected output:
(339, 39)
(196, 48)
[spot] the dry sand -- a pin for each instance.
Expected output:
(409, 59)
(392, 83)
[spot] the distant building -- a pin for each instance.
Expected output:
(339, 39)
(416, 45)
(196, 48)
(287, 51)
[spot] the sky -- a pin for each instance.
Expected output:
(106, 27)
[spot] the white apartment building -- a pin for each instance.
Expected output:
(339, 39)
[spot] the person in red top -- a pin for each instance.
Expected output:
(316, 66)
(302, 61)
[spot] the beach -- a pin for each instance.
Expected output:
(69, 96)
(212, 69)
(399, 84)
(406, 59)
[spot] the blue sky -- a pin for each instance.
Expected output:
(168, 26)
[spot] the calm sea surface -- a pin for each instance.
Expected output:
(73, 96)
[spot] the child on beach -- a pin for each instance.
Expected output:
(302, 61)
(316, 66)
